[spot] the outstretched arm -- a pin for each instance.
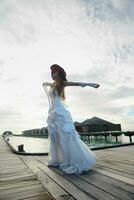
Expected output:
(67, 83)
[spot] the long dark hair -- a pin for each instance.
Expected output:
(59, 85)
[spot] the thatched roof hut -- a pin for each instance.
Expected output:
(96, 124)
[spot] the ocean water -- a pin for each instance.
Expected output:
(31, 144)
(41, 145)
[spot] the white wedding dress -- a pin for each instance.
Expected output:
(66, 150)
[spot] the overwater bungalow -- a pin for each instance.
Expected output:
(97, 127)
(39, 132)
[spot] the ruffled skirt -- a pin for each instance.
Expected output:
(66, 149)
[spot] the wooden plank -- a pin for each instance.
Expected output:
(8, 185)
(88, 188)
(12, 167)
(114, 153)
(117, 159)
(104, 167)
(111, 178)
(16, 190)
(115, 176)
(65, 184)
(15, 174)
(55, 190)
(117, 188)
(19, 177)
(24, 194)
(52, 187)
(119, 178)
(83, 185)
(116, 167)
(118, 164)
(12, 170)
(117, 151)
(16, 180)
(116, 172)
(39, 197)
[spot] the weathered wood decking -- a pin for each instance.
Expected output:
(112, 178)
(17, 181)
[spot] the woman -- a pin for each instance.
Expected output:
(66, 150)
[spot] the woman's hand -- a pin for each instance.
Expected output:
(46, 84)
(94, 85)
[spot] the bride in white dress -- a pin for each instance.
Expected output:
(66, 150)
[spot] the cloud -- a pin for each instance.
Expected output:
(8, 118)
(92, 40)
(124, 8)
(8, 112)
(123, 92)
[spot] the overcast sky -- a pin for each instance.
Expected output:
(92, 39)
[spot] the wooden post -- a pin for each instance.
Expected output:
(130, 134)
(105, 137)
(21, 148)
(116, 138)
(130, 138)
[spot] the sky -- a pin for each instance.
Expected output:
(93, 40)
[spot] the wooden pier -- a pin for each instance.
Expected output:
(28, 177)
(17, 181)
